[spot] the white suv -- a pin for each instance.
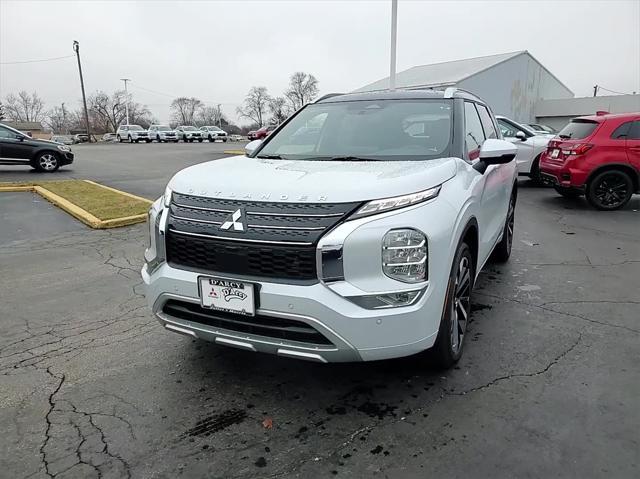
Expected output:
(213, 133)
(530, 145)
(355, 240)
(188, 133)
(162, 133)
(132, 133)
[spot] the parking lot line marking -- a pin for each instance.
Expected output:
(140, 198)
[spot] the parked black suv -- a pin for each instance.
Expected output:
(16, 148)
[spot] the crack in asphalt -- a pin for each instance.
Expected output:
(52, 405)
(564, 313)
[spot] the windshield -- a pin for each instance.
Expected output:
(135, 128)
(371, 130)
(164, 128)
(189, 128)
(578, 129)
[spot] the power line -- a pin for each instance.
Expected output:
(612, 91)
(37, 61)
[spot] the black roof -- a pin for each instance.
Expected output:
(394, 95)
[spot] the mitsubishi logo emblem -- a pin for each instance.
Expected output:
(235, 221)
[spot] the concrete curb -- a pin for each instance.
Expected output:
(139, 198)
(233, 152)
(81, 214)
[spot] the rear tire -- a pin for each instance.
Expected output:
(609, 190)
(199, 140)
(456, 313)
(534, 175)
(502, 250)
(568, 192)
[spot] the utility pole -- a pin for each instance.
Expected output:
(76, 48)
(394, 34)
(219, 115)
(126, 94)
(64, 120)
(595, 90)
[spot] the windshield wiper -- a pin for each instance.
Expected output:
(271, 157)
(346, 158)
(566, 137)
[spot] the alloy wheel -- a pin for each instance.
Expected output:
(511, 216)
(461, 304)
(611, 190)
(48, 162)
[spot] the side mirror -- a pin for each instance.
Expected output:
(521, 136)
(19, 137)
(494, 152)
(251, 147)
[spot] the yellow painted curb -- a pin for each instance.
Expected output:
(233, 152)
(139, 198)
(81, 214)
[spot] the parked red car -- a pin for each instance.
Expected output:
(261, 134)
(598, 156)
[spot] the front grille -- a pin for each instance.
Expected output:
(277, 240)
(226, 257)
(261, 325)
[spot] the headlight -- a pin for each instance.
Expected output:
(167, 196)
(404, 255)
(388, 204)
(64, 148)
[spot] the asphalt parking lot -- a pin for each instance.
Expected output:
(92, 386)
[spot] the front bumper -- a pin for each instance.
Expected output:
(355, 333)
(66, 157)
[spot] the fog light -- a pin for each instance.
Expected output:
(387, 300)
(404, 255)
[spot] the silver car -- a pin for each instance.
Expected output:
(356, 240)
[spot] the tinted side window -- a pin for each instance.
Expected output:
(634, 131)
(622, 131)
(474, 135)
(6, 133)
(487, 123)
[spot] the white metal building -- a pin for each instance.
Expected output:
(511, 83)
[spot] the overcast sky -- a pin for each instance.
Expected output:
(217, 50)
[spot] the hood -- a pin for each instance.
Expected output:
(310, 181)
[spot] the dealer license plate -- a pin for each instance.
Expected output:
(555, 153)
(227, 295)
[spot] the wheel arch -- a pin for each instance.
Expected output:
(45, 149)
(627, 168)
(470, 235)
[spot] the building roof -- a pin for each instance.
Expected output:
(441, 74)
(587, 105)
(24, 125)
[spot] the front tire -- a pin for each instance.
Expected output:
(449, 344)
(609, 190)
(199, 140)
(46, 162)
(119, 139)
(534, 175)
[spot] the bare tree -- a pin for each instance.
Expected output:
(108, 111)
(209, 115)
(2, 114)
(184, 110)
(255, 105)
(140, 115)
(58, 119)
(24, 107)
(303, 88)
(279, 109)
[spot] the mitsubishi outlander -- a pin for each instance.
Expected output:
(354, 232)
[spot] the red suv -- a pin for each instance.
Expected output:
(598, 156)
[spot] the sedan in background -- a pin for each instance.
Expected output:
(541, 129)
(261, 133)
(530, 146)
(63, 139)
(213, 133)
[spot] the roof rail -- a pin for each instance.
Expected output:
(452, 90)
(328, 95)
